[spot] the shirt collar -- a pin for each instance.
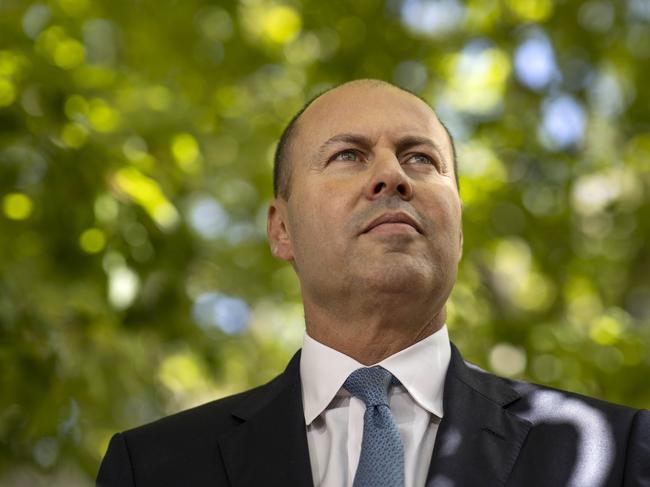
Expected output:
(421, 368)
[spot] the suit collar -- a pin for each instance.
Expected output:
(420, 368)
(478, 440)
(492, 387)
(270, 446)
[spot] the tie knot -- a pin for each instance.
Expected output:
(370, 384)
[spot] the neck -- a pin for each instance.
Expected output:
(371, 335)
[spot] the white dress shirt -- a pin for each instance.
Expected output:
(334, 418)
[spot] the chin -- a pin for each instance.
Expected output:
(398, 278)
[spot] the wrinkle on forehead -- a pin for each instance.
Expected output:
(361, 105)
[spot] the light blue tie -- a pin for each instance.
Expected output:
(381, 463)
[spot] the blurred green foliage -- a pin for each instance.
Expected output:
(136, 143)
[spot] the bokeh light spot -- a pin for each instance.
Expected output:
(605, 330)
(46, 452)
(185, 150)
(208, 218)
(92, 240)
(477, 78)
(102, 117)
(100, 40)
(596, 15)
(93, 77)
(563, 123)
(75, 107)
(506, 359)
(305, 49)
(17, 206)
(593, 193)
(106, 208)
(74, 135)
(639, 9)
(607, 95)
(481, 170)
(531, 10)
(12, 64)
(35, 19)
(181, 372)
(158, 98)
(517, 280)
(534, 293)
(123, 286)
(215, 24)
(135, 148)
(7, 92)
(146, 192)
(69, 53)
(281, 24)
(231, 315)
(432, 17)
(47, 40)
(535, 62)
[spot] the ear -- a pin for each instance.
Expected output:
(277, 230)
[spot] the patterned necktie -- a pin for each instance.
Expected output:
(381, 463)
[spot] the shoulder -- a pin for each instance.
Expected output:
(565, 416)
(200, 426)
(593, 436)
(571, 432)
(183, 448)
(540, 403)
(535, 402)
(543, 401)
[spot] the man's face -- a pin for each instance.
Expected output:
(361, 153)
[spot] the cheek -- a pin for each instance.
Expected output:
(315, 224)
(445, 216)
(324, 204)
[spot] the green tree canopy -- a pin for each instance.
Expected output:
(136, 143)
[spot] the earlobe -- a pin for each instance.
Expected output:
(276, 229)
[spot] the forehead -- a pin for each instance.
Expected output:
(373, 111)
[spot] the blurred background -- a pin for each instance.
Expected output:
(136, 143)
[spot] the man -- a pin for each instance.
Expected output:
(367, 211)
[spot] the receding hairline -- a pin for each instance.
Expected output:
(282, 169)
(357, 83)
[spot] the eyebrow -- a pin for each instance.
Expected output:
(363, 141)
(415, 140)
(356, 139)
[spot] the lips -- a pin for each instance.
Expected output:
(393, 218)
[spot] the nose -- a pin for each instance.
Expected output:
(389, 179)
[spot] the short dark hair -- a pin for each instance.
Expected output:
(282, 164)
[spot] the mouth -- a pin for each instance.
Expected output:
(393, 222)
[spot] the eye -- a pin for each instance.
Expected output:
(346, 155)
(420, 159)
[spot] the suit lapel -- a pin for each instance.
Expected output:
(477, 443)
(478, 440)
(270, 446)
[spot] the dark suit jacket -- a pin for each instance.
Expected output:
(495, 432)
